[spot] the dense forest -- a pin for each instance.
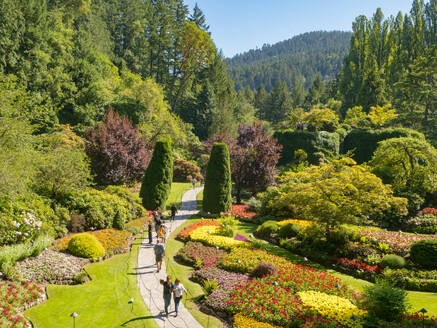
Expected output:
(302, 57)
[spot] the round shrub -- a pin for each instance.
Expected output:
(183, 170)
(86, 245)
(424, 253)
(289, 230)
(392, 261)
(268, 228)
(263, 269)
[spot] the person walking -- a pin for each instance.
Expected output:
(162, 231)
(159, 250)
(158, 222)
(150, 232)
(168, 290)
(194, 182)
(178, 288)
(174, 210)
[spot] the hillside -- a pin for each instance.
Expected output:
(305, 55)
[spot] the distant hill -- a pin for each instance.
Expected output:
(304, 55)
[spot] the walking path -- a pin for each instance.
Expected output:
(148, 278)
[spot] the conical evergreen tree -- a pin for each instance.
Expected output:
(158, 177)
(218, 186)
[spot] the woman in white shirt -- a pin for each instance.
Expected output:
(178, 288)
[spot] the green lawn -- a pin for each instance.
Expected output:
(178, 189)
(182, 272)
(102, 302)
(199, 200)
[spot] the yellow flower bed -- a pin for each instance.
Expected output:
(332, 306)
(240, 321)
(207, 235)
(302, 223)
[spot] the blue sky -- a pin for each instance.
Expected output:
(240, 25)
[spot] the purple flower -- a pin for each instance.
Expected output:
(241, 238)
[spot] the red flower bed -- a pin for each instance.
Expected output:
(432, 211)
(208, 256)
(241, 211)
(184, 235)
(358, 265)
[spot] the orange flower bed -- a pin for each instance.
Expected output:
(112, 240)
(185, 234)
(241, 211)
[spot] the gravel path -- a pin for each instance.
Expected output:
(148, 278)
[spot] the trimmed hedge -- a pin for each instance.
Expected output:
(392, 261)
(312, 143)
(365, 142)
(218, 186)
(424, 253)
(86, 245)
(157, 180)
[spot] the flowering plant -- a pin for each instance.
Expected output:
(302, 223)
(241, 212)
(241, 238)
(358, 266)
(432, 211)
(208, 235)
(197, 252)
(185, 234)
(241, 321)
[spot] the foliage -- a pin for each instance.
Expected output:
(268, 228)
(356, 117)
(383, 301)
(301, 223)
(117, 152)
(392, 261)
(263, 269)
(289, 230)
(218, 186)
(158, 177)
(118, 222)
(426, 223)
(133, 201)
(209, 236)
(209, 286)
(381, 115)
(185, 234)
(321, 119)
(412, 279)
(333, 194)
(184, 171)
(241, 321)
(86, 245)
(424, 253)
(361, 268)
(196, 253)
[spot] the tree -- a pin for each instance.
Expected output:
(278, 104)
(410, 165)
(117, 152)
(333, 194)
(321, 119)
(381, 115)
(158, 177)
(199, 18)
(356, 117)
(217, 196)
(316, 92)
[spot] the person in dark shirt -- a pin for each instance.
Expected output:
(174, 210)
(168, 290)
(150, 232)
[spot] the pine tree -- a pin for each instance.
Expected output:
(158, 177)
(217, 196)
(198, 18)
(261, 100)
(278, 104)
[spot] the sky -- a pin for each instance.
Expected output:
(241, 25)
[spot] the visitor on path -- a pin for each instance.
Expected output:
(194, 182)
(162, 232)
(178, 288)
(174, 210)
(158, 222)
(159, 250)
(150, 232)
(168, 290)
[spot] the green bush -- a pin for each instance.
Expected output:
(118, 222)
(184, 170)
(133, 230)
(218, 186)
(268, 228)
(86, 245)
(209, 286)
(426, 223)
(424, 253)
(228, 225)
(385, 302)
(289, 230)
(40, 244)
(158, 177)
(425, 281)
(392, 261)
(133, 201)
(365, 142)
(313, 143)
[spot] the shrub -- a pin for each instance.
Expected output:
(268, 228)
(118, 222)
(254, 204)
(392, 261)
(218, 186)
(383, 301)
(132, 200)
(157, 180)
(426, 223)
(289, 230)
(184, 171)
(86, 245)
(209, 286)
(227, 226)
(133, 230)
(424, 253)
(77, 223)
(413, 279)
(263, 269)
(40, 244)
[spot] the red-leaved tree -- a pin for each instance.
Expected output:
(117, 152)
(254, 156)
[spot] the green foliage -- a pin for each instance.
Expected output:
(119, 221)
(268, 228)
(321, 119)
(209, 286)
(381, 115)
(424, 253)
(184, 171)
(218, 186)
(392, 261)
(85, 245)
(385, 302)
(133, 201)
(158, 177)
(289, 230)
(409, 279)
(133, 230)
(356, 117)
(365, 142)
(228, 226)
(315, 144)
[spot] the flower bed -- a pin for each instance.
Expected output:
(185, 234)
(115, 241)
(50, 267)
(358, 266)
(302, 223)
(241, 212)
(199, 255)
(15, 298)
(138, 223)
(207, 235)
(432, 211)
(224, 278)
(240, 321)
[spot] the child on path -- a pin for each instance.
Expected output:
(178, 288)
(162, 231)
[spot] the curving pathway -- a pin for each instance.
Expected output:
(148, 278)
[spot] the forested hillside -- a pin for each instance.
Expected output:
(302, 57)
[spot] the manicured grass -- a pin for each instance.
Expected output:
(178, 189)
(176, 270)
(199, 200)
(102, 302)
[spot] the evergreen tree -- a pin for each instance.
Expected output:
(217, 196)
(278, 105)
(158, 177)
(316, 93)
(298, 93)
(261, 98)
(198, 18)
